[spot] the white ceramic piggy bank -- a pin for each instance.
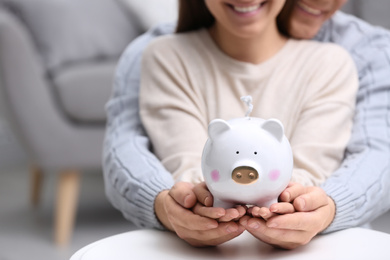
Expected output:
(246, 161)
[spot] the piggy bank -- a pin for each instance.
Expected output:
(246, 161)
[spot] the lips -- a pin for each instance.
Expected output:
(309, 9)
(247, 8)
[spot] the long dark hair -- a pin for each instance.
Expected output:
(283, 19)
(194, 14)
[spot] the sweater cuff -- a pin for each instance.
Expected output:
(146, 198)
(342, 197)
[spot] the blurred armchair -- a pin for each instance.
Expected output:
(57, 63)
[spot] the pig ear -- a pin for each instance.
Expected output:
(217, 126)
(274, 127)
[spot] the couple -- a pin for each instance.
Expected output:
(142, 188)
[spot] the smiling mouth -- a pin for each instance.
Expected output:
(308, 9)
(247, 9)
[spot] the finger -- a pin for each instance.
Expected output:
(210, 212)
(182, 193)
(244, 220)
(242, 209)
(300, 221)
(262, 212)
(292, 191)
(249, 210)
(312, 200)
(180, 217)
(223, 233)
(282, 208)
(288, 239)
(254, 210)
(230, 214)
(203, 194)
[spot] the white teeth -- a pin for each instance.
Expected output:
(309, 9)
(247, 9)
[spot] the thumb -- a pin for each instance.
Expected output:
(183, 194)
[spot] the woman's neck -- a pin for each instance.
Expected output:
(253, 50)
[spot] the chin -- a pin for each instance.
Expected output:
(300, 31)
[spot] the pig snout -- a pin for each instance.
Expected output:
(245, 175)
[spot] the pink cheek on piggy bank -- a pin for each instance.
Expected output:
(274, 175)
(215, 175)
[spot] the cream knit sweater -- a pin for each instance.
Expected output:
(187, 81)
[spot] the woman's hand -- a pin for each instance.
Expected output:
(189, 215)
(290, 227)
(205, 203)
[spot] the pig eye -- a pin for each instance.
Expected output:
(238, 152)
(255, 152)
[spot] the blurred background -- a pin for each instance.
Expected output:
(57, 62)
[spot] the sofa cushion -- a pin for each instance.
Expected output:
(68, 31)
(83, 90)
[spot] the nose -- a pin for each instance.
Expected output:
(245, 175)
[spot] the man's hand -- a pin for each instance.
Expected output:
(179, 210)
(289, 227)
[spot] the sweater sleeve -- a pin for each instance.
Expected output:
(360, 187)
(324, 126)
(133, 176)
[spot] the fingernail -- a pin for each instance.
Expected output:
(231, 228)
(272, 225)
(263, 215)
(234, 214)
(221, 213)
(301, 203)
(207, 201)
(186, 201)
(212, 226)
(254, 225)
(288, 196)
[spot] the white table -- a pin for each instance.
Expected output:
(354, 244)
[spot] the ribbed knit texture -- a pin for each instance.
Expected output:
(133, 175)
(360, 187)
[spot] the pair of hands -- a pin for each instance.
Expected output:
(302, 213)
